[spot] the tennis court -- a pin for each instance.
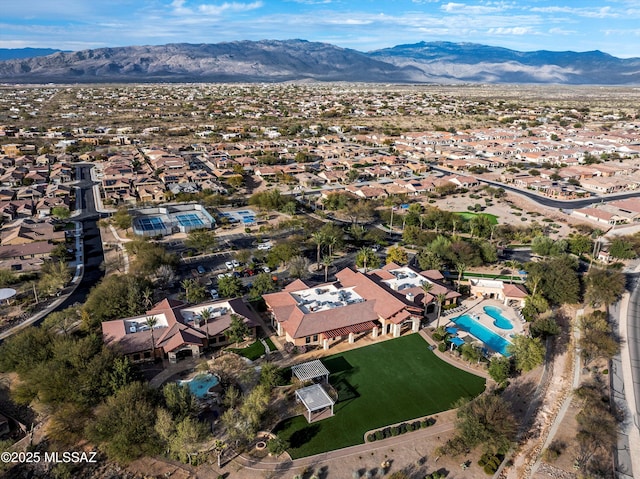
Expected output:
(190, 220)
(150, 223)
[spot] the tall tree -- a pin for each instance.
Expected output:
(237, 330)
(398, 255)
(202, 240)
(528, 352)
(442, 297)
(151, 322)
(460, 267)
(604, 286)
(426, 288)
(327, 261)
(318, 238)
(366, 258)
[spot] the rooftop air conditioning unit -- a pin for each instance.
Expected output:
(132, 328)
(410, 297)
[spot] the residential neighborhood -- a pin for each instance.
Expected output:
(319, 280)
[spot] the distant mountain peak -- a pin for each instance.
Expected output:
(297, 59)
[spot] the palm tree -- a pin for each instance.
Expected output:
(331, 240)
(327, 262)
(319, 239)
(460, 267)
(426, 287)
(441, 299)
(219, 446)
(186, 284)
(363, 255)
(151, 321)
(147, 297)
(512, 265)
(205, 314)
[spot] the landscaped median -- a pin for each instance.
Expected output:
(383, 384)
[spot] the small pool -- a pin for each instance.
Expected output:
(484, 334)
(201, 384)
(499, 320)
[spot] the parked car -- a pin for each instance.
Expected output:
(229, 265)
(265, 246)
(266, 269)
(235, 263)
(201, 269)
(214, 294)
(225, 275)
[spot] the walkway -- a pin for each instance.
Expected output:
(173, 369)
(273, 464)
(457, 362)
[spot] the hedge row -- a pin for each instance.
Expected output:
(393, 431)
(490, 463)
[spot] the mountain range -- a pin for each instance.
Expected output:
(298, 60)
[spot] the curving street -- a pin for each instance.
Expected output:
(91, 246)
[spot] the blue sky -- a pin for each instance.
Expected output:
(612, 26)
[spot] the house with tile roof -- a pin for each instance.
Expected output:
(355, 305)
(180, 330)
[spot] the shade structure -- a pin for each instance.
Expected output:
(310, 370)
(7, 294)
(457, 341)
(315, 398)
(451, 330)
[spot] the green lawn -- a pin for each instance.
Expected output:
(252, 352)
(378, 385)
(467, 215)
(272, 347)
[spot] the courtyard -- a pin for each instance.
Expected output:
(379, 385)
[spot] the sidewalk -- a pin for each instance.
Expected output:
(631, 427)
(77, 279)
(273, 464)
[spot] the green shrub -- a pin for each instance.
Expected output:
(490, 470)
(371, 437)
(379, 435)
(442, 347)
(395, 430)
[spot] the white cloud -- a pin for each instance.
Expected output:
(512, 31)
(228, 7)
(602, 12)
(312, 2)
(462, 8)
(561, 31)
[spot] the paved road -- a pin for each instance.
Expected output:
(91, 244)
(633, 343)
(550, 202)
(624, 379)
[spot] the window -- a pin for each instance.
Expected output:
(136, 357)
(307, 340)
(147, 354)
(222, 339)
(315, 338)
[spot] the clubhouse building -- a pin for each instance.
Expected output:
(387, 301)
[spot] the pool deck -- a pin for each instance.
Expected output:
(475, 310)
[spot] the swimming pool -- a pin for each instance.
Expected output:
(201, 384)
(498, 318)
(489, 338)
